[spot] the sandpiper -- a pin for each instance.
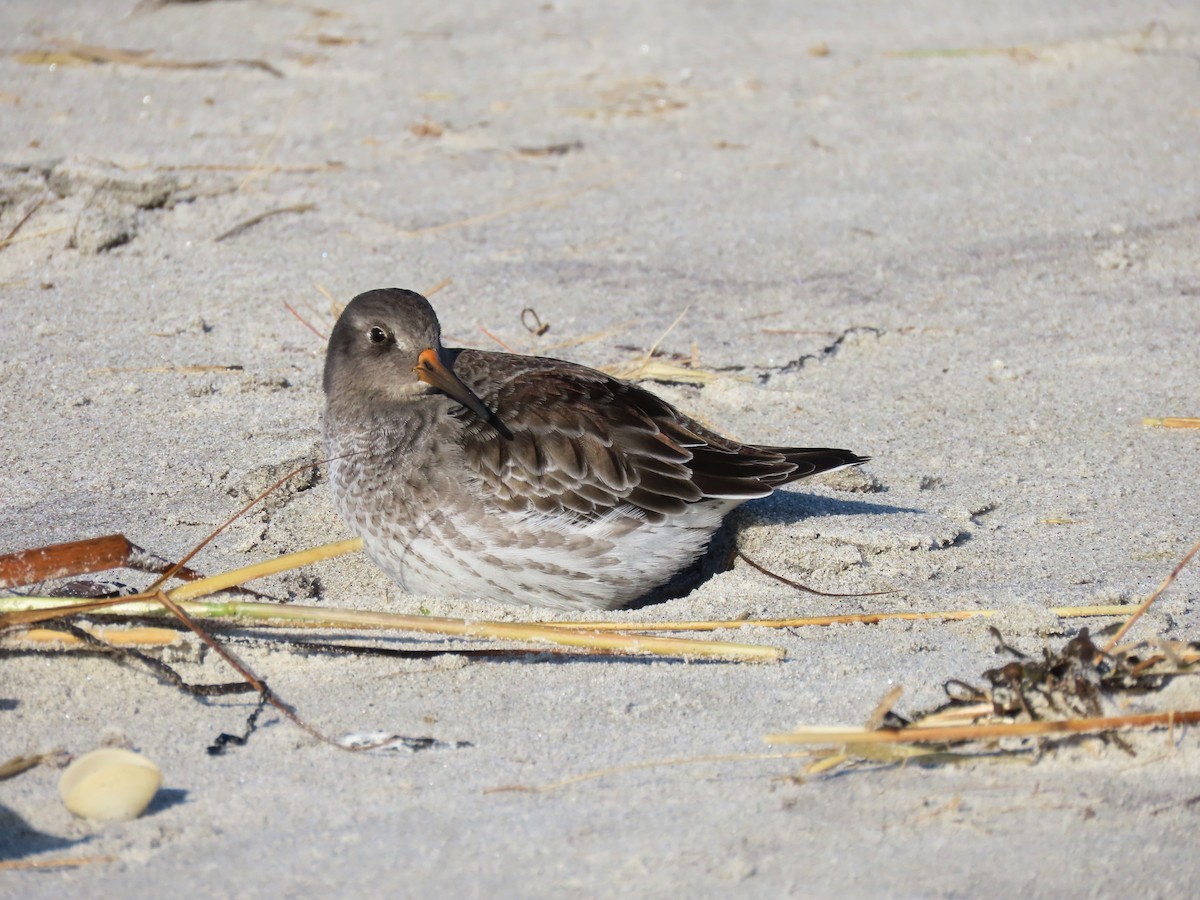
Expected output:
(518, 478)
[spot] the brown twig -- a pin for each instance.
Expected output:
(828, 334)
(33, 236)
(538, 327)
(176, 370)
(303, 321)
(551, 149)
(507, 348)
(13, 767)
(90, 643)
(246, 167)
(238, 666)
(144, 58)
(1145, 604)
(254, 220)
(190, 555)
(21, 224)
(803, 587)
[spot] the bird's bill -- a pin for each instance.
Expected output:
(431, 370)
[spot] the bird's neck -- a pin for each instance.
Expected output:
(383, 427)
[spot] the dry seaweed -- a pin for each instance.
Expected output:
(67, 52)
(1065, 694)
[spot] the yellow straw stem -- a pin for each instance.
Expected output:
(291, 615)
(117, 637)
(1065, 612)
(226, 580)
(979, 732)
(1172, 422)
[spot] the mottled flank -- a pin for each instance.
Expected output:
(523, 479)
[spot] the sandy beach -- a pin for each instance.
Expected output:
(961, 240)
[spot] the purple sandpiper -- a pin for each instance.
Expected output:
(523, 479)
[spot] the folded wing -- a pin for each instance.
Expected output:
(586, 443)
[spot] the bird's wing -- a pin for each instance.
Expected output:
(587, 443)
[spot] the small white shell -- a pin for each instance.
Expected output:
(109, 783)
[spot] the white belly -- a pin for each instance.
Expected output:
(553, 561)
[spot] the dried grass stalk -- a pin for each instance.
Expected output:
(921, 734)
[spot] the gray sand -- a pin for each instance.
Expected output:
(978, 268)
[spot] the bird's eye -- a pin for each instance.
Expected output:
(378, 335)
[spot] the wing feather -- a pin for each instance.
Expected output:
(585, 443)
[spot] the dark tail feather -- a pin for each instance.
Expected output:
(814, 460)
